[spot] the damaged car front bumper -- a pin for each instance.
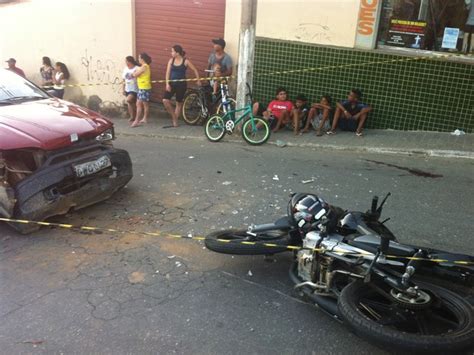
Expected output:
(71, 179)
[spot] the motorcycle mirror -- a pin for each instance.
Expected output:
(379, 210)
(373, 208)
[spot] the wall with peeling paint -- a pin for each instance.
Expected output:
(91, 37)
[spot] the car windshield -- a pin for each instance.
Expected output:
(14, 89)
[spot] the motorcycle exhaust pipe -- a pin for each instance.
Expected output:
(326, 304)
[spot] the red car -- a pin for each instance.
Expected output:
(54, 155)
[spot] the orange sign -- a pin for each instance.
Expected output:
(367, 12)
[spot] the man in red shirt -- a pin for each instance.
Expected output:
(278, 112)
(12, 66)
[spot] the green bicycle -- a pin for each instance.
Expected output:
(255, 130)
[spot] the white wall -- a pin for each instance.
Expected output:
(326, 22)
(233, 11)
(91, 37)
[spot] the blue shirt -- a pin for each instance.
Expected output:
(353, 107)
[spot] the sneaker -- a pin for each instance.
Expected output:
(330, 132)
(359, 134)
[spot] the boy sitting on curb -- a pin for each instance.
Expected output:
(319, 116)
(350, 114)
(299, 113)
(278, 112)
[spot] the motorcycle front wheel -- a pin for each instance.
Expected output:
(442, 324)
(238, 242)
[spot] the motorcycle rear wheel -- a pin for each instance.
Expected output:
(446, 326)
(233, 241)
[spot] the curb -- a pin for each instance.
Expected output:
(439, 153)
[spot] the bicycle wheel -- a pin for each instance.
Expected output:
(215, 128)
(192, 110)
(237, 242)
(256, 131)
(232, 105)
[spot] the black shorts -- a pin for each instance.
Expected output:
(347, 124)
(178, 89)
(130, 93)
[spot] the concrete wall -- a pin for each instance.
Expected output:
(91, 37)
(326, 22)
(233, 11)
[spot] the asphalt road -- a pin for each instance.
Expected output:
(68, 292)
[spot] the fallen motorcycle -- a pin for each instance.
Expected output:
(351, 265)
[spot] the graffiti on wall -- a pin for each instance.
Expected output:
(101, 70)
(313, 32)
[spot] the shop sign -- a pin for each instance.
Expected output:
(409, 34)
(450, 38)
(367, 23)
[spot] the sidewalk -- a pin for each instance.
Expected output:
(433, 144)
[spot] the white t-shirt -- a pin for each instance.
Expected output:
(130, 82)
(59, 80)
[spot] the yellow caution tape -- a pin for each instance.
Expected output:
(284, 72)
(201, 238)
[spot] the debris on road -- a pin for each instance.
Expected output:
(458, 132)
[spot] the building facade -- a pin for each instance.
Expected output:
(411, 58)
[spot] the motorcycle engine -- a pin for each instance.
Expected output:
(305, 257)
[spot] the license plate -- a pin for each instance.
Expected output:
(91, 167)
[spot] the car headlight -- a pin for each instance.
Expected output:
(107, 135)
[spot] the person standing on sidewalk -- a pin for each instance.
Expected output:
(350, 114)
(60, 76)
(143, 75)
(176, 70)
(46, 72)
(219, 56)
(130, 88)
(12, 66)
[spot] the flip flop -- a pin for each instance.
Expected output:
(359, 134)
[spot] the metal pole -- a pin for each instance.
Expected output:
(246, 50)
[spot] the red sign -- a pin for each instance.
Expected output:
(367, 18)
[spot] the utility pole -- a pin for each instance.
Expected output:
(246, 50)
